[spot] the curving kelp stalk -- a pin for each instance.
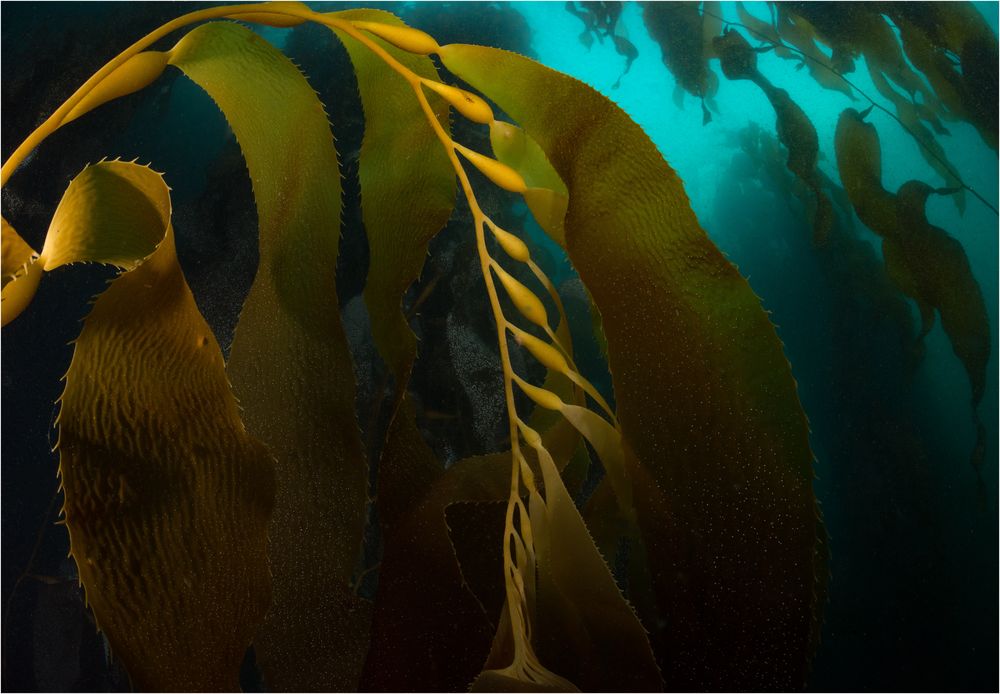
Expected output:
(201, 528)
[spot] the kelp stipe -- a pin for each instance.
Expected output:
(706, 458)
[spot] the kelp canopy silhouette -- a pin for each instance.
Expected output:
(201, 526)
(955, 52)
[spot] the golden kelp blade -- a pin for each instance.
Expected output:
(705, 397)
(167, 497)
(289, 364)
(16, 252)
(20, 272)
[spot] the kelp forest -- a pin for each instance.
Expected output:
(434, 346)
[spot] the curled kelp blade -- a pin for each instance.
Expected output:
(21, 273)
(407, 185)
(705, 397)
(167, 496)
(290, 365)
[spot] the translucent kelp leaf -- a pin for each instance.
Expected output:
(546, 195)
(290, 365)
(706, 398)
(407, 185)
(167, 496)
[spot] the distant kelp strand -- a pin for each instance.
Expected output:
(930, 149)
(795, 130)
(924, 261)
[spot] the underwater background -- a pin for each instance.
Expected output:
(913, 599)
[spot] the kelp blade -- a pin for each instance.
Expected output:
(585, 631)
(167, 496)
(20, 274)
(705, 397)
(430, 631)
(290, 365)
(407, 185)
(407, 195)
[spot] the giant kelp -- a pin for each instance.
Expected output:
(923, 260)
(932, 35)
(706, 460)
(685, 37)
(795, 130)
(603, 20)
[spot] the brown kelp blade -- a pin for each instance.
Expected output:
(430, 631)
(706, 398)
(585, 631)
(677, 28)
(859, 162)
(921, 259)
(943, 279)
(290, 365)
(167, 496)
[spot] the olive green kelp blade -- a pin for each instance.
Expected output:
(407, 195)
(706, 399)
(290, 365)
(167, 497)
(407, 184)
